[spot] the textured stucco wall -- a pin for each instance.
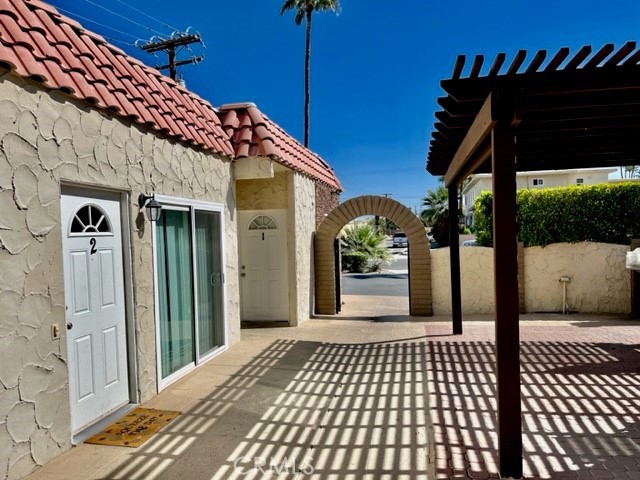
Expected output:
(599, 281)
(476, 274)
(263, 194)
(44, 139)
(302, 218)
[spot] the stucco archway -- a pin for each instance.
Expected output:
(419, 258)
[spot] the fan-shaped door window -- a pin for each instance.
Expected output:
(263, 222)
(90, 220)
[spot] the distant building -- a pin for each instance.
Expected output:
(530, 180)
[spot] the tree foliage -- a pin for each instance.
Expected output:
(435, 213)
(363, 248)
(607, 213)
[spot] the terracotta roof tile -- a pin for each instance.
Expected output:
(40, 43)
(253, 134)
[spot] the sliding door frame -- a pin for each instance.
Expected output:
(192, 206)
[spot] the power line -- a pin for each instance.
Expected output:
(97, 23)
(128, 44)
(122, 16)
(382, 172)
(146, 15)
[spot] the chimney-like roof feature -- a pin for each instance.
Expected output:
(253, 134)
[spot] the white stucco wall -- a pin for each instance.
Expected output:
(599, 280)
(46, 139)
(600, 283)
(302, 217)
(476, 275)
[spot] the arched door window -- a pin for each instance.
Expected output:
(263, 222)
(90, 220)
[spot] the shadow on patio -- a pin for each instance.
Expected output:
(580, 399)
(319, 410)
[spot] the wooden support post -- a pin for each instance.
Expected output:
(454, 261)
(506, 298)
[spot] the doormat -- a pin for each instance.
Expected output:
(134, 429)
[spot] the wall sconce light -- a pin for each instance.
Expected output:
(152, 205)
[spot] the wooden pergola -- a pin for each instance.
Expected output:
(572, 111)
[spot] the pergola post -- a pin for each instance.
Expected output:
(454, 261)
(506, 299)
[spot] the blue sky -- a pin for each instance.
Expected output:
(375, 68)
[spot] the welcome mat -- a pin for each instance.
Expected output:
(134, 429)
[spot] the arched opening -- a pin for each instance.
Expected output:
(419, 259)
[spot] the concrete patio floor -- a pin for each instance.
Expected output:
(375, 394)
(341, 397)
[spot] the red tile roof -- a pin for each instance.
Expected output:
(39, 43)
(253, 134)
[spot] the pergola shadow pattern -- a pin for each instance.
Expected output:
(317, 411)
(580, 402)
(419, 257)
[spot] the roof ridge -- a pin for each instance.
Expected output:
(59, 54)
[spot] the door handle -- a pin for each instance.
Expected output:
(69, 326)
(243, 274)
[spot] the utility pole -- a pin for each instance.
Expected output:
(170, 46)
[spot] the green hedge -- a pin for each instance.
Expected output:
(354, 262)
(607, 213)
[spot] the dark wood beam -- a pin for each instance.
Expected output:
(546, 82)
(557, 59)
(480, 128)
(506, 299)
(578, 58)
(617, 57)
(454, 261)
(458, 66)
(537, 61)
(477, 65)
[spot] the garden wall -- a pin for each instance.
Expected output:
(599, 281)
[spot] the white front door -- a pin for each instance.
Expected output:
(263, 265)
(95, 310)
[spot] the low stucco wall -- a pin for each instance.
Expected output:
(46, 138)
(476, 275)
(600, 283)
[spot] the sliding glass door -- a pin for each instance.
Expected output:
(175, 290)
(190, 281)
(209, 280)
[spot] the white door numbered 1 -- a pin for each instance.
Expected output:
(95, 310)
(263, 268)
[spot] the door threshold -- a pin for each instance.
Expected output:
(94, 428)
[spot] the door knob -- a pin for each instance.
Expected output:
(69, 326)
(243, 274)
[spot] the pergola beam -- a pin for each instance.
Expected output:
(460, 166)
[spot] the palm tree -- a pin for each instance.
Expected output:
(363, 243)
(436, 206)
(436, 214)
(304, 10)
